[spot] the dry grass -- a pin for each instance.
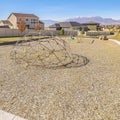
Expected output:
(91, 92)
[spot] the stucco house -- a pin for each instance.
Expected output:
(30, 20)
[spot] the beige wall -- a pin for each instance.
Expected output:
(1, 23)
(13, 20)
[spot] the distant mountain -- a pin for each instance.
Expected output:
(103, 21)
(49, 22)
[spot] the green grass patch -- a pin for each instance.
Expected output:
(117, 37)
(10, 39)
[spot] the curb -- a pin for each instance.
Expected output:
(8, 116)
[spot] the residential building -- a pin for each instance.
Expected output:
(68, 26)
(5, 24)
(30, 20)
(92, 26)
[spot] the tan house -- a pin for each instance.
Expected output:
(30, 20)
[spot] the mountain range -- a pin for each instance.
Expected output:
(101, 20)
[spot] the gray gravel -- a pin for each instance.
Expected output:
(90, 92)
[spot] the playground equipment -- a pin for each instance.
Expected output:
(48, 52)
(103, 37)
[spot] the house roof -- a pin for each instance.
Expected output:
(65, 25)
(23, 15)
(41, 22)
(91, 23)
(55, 25)
(6, 22)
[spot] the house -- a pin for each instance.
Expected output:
(55, 26)
(30, 20)
(67, 26)
(5, 24)
(93, 26)
(41, 24)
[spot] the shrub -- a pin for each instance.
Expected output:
(82, 32)
(62, 32)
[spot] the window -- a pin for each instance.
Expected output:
(34, 21)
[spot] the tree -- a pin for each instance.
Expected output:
(37, 27)
(110, 27)
(62, 32)
(21, 25)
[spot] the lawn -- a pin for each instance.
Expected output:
(9, 39)
(117, 37)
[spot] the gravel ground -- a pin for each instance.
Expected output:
(90, 92)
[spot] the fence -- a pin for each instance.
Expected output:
(6, 32)
(96, 33)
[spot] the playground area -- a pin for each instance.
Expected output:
(61, 91)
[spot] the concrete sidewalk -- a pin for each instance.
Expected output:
(7, 116)
(116, 41)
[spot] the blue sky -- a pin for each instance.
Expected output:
(61, 9)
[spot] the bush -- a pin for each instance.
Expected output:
(82, 32)
(62, 32)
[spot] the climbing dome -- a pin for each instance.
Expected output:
(49, 52)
